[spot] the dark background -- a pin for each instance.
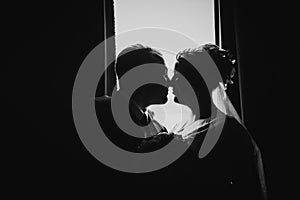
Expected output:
(46, 41)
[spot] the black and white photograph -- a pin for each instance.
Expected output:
(134, 99)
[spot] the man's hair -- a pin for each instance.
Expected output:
(134, 56)
(225, 61)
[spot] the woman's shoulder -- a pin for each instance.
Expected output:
(236, 137)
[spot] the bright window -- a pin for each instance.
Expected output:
(192, 18)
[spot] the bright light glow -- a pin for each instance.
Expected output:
(193, 18)
(171, 114)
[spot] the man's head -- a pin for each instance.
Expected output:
(137, 55)
(148, 94)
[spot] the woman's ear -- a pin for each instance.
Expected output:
(230, 77)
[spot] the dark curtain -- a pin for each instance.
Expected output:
(253, 31)
(108, 82)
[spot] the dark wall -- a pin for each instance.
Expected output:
(45, 44)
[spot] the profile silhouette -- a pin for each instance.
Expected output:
(231, 169)
(233, 166)
(235, 159)
(129, 59)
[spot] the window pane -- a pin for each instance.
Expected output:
(193, 18)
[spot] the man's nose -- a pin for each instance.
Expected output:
(167, 79)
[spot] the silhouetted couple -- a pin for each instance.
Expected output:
(232, 168)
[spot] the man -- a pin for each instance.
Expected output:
(130, 59)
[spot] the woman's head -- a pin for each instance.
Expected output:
(186, 70)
